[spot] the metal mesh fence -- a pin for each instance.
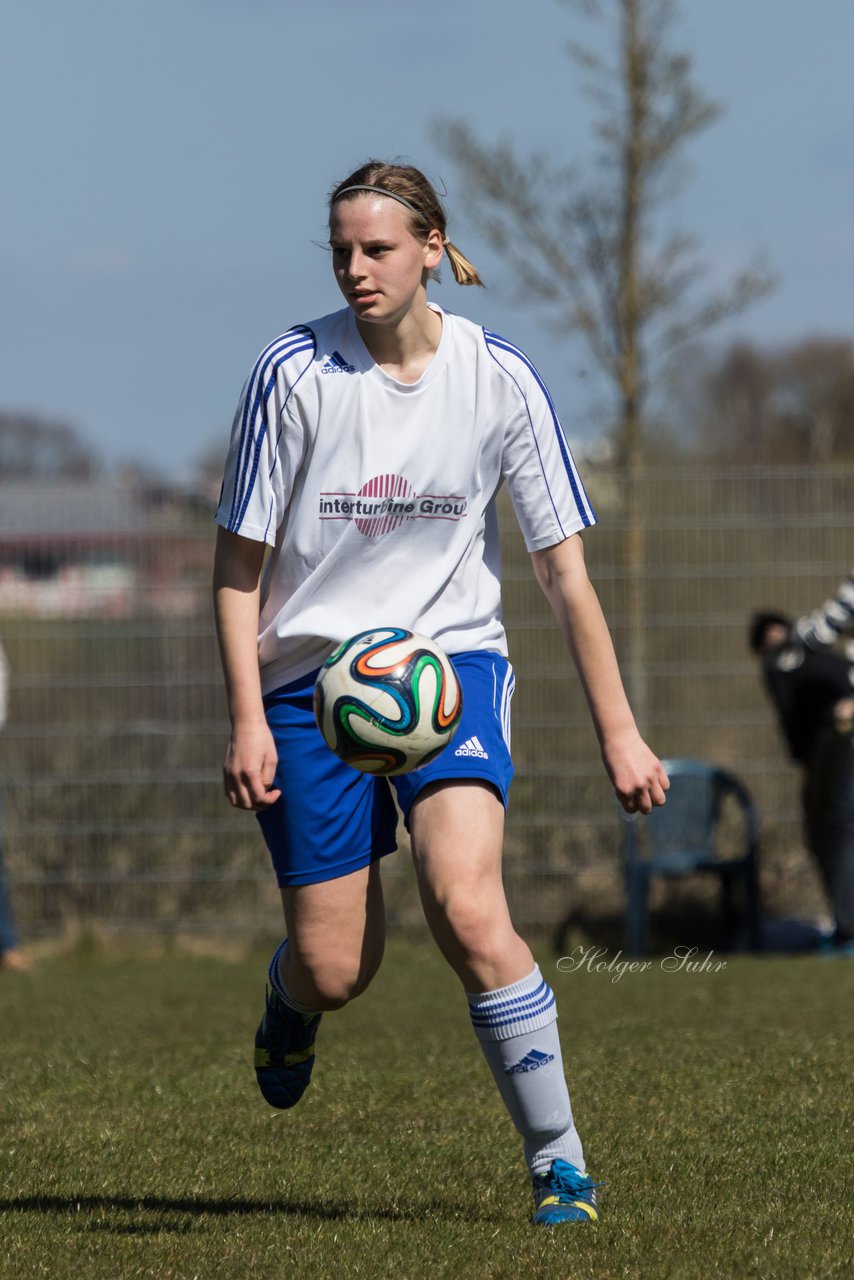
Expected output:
(114, 817)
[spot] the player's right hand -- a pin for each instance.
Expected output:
(250, 768)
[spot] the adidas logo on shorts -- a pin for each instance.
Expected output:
(472, 747)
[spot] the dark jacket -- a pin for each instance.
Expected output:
(804, 686)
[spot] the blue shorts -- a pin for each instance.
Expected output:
(331, 819)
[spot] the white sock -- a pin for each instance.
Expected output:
(517, 1030)
(274, 977)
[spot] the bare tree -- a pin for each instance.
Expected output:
(792, 403)
(591, 248)
(34, 448)
(815, 397)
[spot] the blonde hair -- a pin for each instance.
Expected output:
(408, 185)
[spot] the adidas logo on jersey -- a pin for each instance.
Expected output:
(472, 747)
(337, 364)
(531, 1062)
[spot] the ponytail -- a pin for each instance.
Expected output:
(464, 271)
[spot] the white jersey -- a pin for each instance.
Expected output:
(378, 497)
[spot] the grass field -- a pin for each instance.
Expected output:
(133, 1142)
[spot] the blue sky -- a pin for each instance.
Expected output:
(166, 167)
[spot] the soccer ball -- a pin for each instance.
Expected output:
(387, 701)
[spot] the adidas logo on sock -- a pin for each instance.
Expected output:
(472, 747)
(337, 364)
(531, 1061)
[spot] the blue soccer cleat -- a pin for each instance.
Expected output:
(564, 1194)
(284, 1053)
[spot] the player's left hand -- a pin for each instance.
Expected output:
(636, 773)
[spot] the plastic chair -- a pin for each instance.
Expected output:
(681, 838)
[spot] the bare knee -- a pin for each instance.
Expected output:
(329, 980)
(478, 931)
(457, 834)
(477, 938)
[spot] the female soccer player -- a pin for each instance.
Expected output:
(391, 396)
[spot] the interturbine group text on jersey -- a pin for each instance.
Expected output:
(343, 506)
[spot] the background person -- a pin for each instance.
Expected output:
(393, 394)
(813, 695)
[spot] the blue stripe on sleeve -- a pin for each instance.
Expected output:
(254, 401)
(495, 342)
(259, 388)
(247, 424)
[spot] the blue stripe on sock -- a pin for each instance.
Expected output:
(521, 1019)
(273, 970)
(500, 1006)
(519, 1009)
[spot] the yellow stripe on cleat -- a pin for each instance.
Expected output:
(293, 1059)
(262, 1058)
(588, 1209)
